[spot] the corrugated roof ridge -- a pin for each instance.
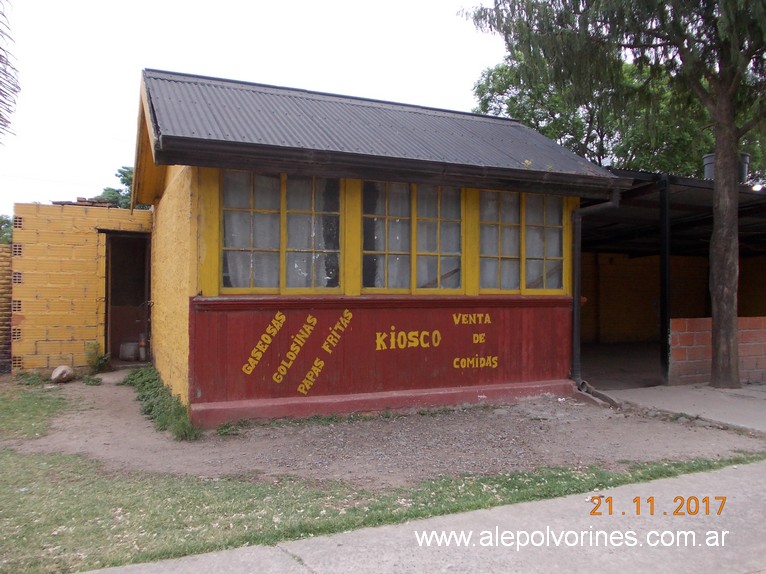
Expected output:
(318, 96)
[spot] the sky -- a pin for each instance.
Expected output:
(80, 64)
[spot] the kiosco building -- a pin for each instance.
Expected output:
(313, 253)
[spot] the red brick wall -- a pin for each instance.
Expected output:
(690, 350)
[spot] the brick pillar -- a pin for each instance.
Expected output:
(5, 308)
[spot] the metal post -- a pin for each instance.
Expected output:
(664, 278)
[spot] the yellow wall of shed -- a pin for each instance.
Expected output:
(623, 295)
(176, 258)
(59, 280)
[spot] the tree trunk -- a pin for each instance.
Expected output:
(724, 248)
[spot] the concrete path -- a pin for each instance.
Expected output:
(558, 535)
(743, 408)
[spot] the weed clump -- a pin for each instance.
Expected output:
(160, 405)
(98, 362)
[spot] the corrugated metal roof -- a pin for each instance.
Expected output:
(208, 110)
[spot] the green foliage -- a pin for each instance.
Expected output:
(233, 428)
(91, 381)
(6, 229)
(120, 197)
(30, 378)
(160, 405)
(687, 59)
(98, 362)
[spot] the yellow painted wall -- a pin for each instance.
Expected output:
(5, 306)
(624, 295)
(59, 280)
(752, 287)
(175, 269)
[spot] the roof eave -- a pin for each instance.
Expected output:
(170, 150)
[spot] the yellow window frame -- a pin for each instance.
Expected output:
(283, 250)
(473, 231)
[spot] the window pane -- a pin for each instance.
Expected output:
(509, 208)
(327, 232)
(428, 236)
(554, 208)
(534, 245)
(373, 198)
(328, 195)
(554, 278)
(399, 235)
(450, 238)
(398, 271)
(266, 270)
(428, 201)
(374, 236)
(553, 242)
(326, 270)
(266, 230)
(266, 192)
(510, 246)
(450, 203)
(372, 271)
(399, 199)
(236, 229)
(299, 193)
(534, 270)
(450, 272)
(298, 269)
(428, 269)
(488, 272)
(510, 276)
(534, 209)
(236, 269)
(488, 206)
(488, 239)
(299, 231)
(236, 189)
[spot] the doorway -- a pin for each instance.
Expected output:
(128, 318)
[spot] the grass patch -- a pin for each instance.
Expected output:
(160, 405)
(233, 428)
(91, 381)
(27, 406)
(62, 513)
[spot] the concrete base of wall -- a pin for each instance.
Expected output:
(211, 415)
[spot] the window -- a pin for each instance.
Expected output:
(505, 263)
(313, 232)
(500, 240)
(302, 234)
(386, 226)
(280, 232)
(543, 234)
(439, 238)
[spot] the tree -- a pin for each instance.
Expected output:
(9, 84)
(712, 51)
(6, 229)
(119, 197)
(667, 136)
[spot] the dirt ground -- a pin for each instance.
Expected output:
(384, 451)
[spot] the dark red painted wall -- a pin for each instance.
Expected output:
(273, 348)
